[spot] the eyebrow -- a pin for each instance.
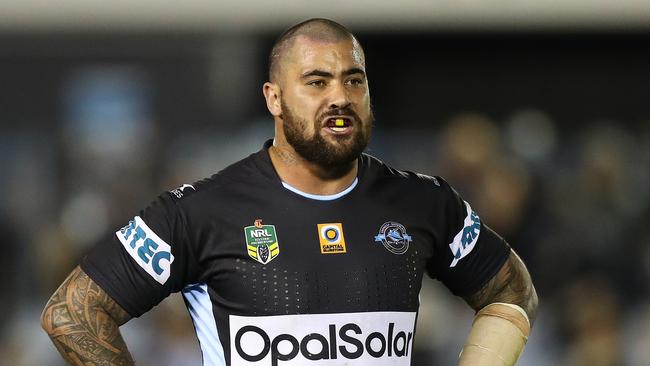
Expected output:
(354, 70)
(326, 74)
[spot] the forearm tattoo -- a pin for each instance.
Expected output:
(512, 284)
(83, 322)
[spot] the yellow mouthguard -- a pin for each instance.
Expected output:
(339, 122)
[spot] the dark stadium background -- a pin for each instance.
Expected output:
(545, 130)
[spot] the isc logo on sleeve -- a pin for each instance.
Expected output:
(150, 252)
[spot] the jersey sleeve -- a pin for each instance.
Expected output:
(146, 260)
(468, 253)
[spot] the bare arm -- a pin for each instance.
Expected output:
(512, 285)
(83, 323)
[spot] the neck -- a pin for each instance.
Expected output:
(309, 177)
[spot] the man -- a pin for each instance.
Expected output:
(306, 252)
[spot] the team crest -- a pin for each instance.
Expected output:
(261, 242)
(331, 238)
(394, 237)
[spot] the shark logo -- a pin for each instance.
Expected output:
(394, 237)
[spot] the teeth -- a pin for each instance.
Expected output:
(338, 129)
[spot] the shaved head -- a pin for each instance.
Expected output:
(318, 29)
(317, 74)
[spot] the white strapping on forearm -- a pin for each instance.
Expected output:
(516, 307)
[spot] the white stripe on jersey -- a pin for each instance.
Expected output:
(200, 308)
(322, 197)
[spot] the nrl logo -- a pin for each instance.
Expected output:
(261, 242)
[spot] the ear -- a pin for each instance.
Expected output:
(272, 95)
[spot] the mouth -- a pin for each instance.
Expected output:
(339, 125)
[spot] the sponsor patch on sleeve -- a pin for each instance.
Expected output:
(151, 253)
(467, 237)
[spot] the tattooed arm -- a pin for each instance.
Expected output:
(512, 285)
(83, 323)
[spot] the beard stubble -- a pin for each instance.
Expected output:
(334, 158)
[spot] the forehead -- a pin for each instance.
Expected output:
(307, 53)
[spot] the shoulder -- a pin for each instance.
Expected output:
(378, 170)
(235, 176)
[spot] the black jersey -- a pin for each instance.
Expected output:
(274, 276)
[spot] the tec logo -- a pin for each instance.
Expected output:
(261, 242)
(394, 237)
(467, 237)
(331, 238)
(151, 253)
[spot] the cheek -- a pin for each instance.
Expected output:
(363, 104)
(304, 105)
(360, 95)
(310, 100)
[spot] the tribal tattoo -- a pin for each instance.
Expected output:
(512, 284)
(83, 322)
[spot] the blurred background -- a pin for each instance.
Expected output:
(538, 113)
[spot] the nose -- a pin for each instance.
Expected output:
(339, 98)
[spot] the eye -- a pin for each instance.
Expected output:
(355, 81)
(319, 83)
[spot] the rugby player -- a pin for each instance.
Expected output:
(308, 251)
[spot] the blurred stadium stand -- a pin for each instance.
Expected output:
(538, 114)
